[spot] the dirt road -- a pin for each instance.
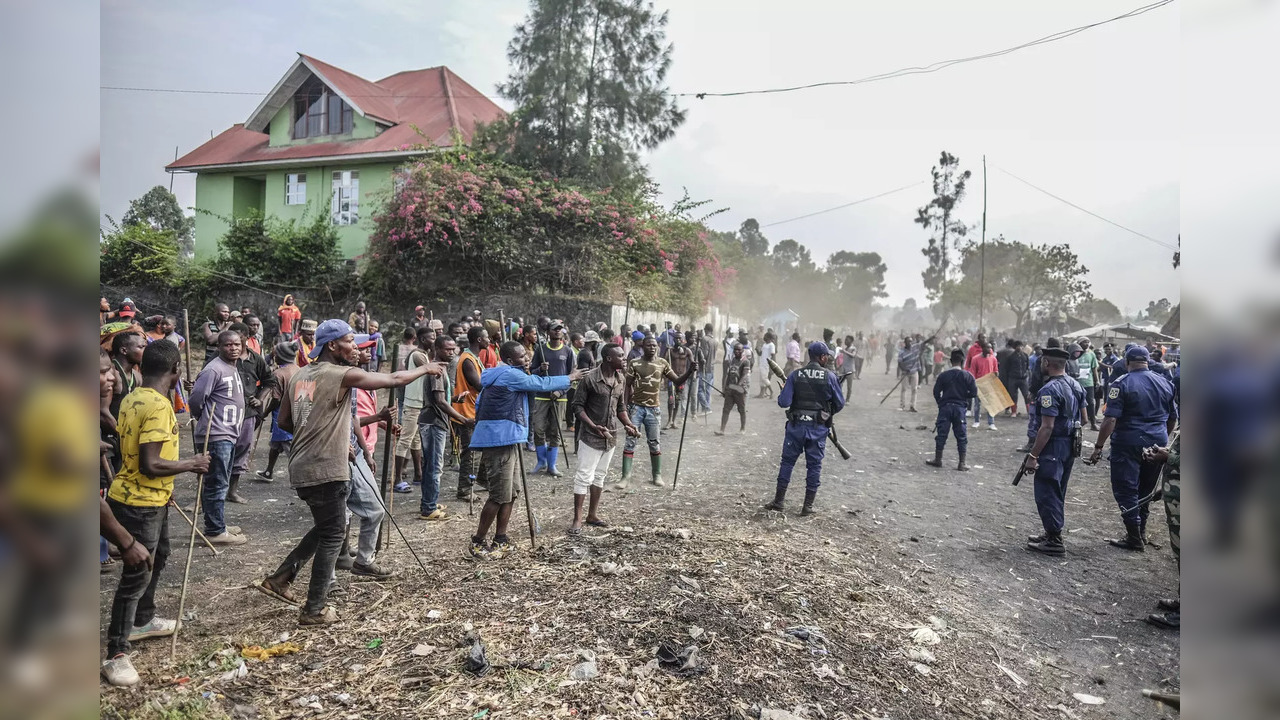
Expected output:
(899, 545)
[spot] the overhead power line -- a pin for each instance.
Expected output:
(1064, 201)
(941, 64)
(848, 204)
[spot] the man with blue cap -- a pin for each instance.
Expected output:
(1140, 413)
(317, 408)
(812, 396)
(1059, 405)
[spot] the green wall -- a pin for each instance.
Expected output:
(214, 194)
(281, 129)
(231, 195)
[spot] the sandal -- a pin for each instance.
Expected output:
(326, 616)
(597, 523)
(283, 596)
(574, 531)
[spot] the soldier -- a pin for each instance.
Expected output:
(953, 389)
(812, 396)
(1059, 404)
(1140, 413)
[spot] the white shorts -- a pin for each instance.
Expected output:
(593, 465)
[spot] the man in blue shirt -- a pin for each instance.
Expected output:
(502, 425)
(1058, 406)
(811, 395)
(1140, 414)
(953, 389)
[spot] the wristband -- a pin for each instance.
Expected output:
(1033, 457)
(133, 541)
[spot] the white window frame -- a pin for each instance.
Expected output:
(345, 207)
(295, 189)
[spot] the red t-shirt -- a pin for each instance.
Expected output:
(974, 351)
(289, 314)
(980, 366)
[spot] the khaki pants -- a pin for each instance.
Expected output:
(909, 381)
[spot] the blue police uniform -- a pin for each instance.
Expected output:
(953, 389)
(1142, 403)
(811, 395)
(1061, 398)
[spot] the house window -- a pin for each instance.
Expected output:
(345, 208)
(319, 111)
(295, 189)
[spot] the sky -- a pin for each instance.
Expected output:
(1099, 119)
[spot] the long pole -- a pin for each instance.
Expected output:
(186, 330)
(982, 253)
(528, 508)
(384, 538)
(680, 450)
(191, 544)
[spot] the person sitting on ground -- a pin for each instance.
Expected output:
(139, 502)
(502, 424)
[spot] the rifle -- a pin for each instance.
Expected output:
(1022, 471)
(831, 435)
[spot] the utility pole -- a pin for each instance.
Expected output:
(982, 252)
(175, 159)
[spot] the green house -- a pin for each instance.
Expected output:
(327, 141)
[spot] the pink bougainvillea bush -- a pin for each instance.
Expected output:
(460, 223)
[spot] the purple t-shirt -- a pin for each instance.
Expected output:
(218, 389)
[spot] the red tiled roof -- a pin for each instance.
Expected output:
(435, 100)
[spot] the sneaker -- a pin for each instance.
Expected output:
(500, 549)
(234, 530)
(119, 671)
(437, 514)
(968, 413)
(478, 551)
(327, 616)
(158, 627)
(404, 488)
(976, 425)
(991, 427)
(1048, 546)
(228, 538)
(1167, 620)
(264, 476)
(371, 570)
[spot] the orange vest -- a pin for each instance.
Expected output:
(466, 408)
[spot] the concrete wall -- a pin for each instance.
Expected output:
(214, 193)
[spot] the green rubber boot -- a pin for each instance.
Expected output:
(656, 462)
(627, 461)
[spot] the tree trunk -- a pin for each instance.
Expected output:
(588, 120)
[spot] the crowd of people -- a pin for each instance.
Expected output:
(473, 395)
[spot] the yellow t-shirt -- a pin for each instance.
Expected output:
(146, 416)
(54, 450)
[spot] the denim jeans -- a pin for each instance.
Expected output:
(216, 482)
(705, 380)
(328, 504)
(363, 503)
(434, 440)
(135, 600)
(977, 413)
(651, 419)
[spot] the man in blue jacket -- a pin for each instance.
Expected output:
(502, 426)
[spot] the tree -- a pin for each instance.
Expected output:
(754, 243)
(1098, 310)
(938, 217)
(286, 253)
(137, 255)
(159, 209)
(588, 81)
(1157, 312)
(858, 281)
(1024, 278)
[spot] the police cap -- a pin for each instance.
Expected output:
(817, 349)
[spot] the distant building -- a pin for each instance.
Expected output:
(327, 141)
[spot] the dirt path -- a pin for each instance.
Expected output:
(898, 542)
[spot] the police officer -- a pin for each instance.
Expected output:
(1140, 414)
(812, 396)
(953, 389)
(1058, 405)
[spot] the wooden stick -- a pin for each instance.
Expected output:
(680, 450)
(193, 524)
(186, 329)
(191, 545)
(528, 508)
(384, 537)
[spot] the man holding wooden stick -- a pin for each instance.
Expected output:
(139, 499)
(502, 426)
(316, 408)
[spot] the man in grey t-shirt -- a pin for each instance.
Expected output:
(217, 403)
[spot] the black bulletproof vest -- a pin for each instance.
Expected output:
(811, 389)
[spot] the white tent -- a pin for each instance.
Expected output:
(1121, 331)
